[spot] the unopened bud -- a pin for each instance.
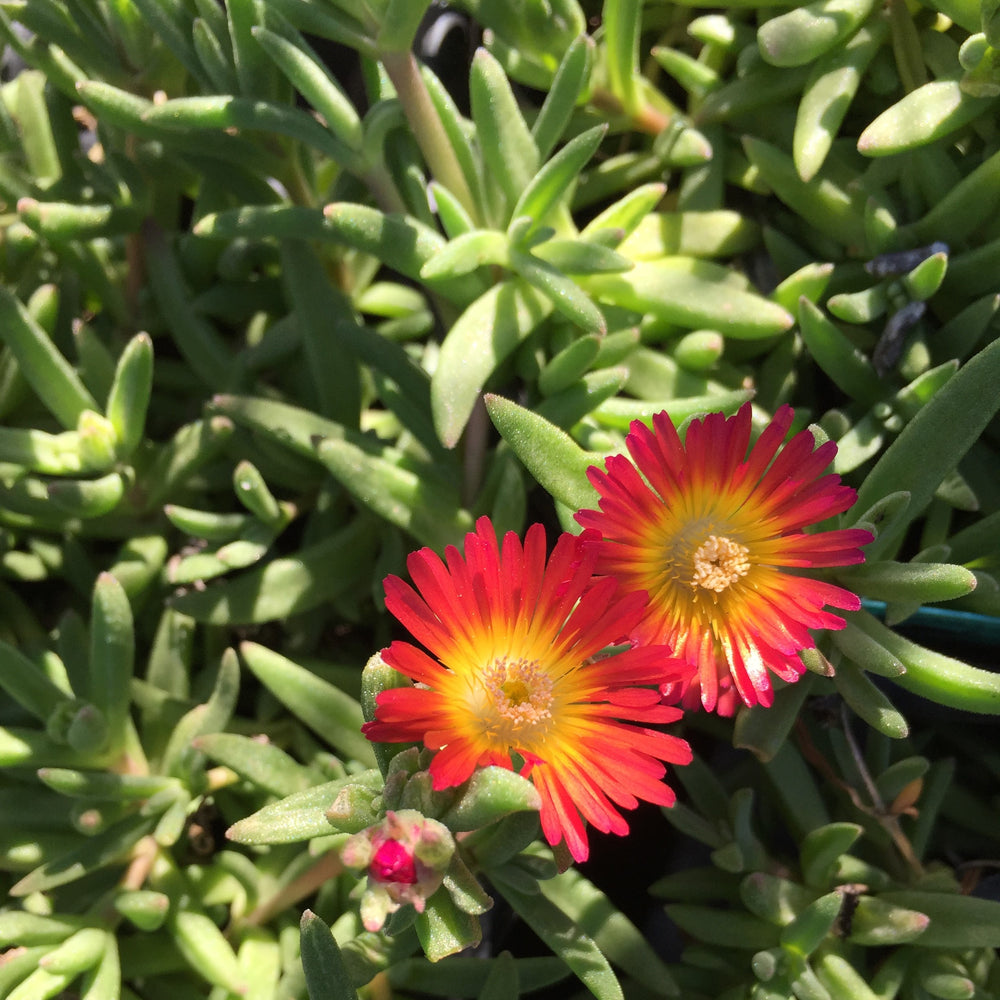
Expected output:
(406, 856)
(393, 863)
(98, 440)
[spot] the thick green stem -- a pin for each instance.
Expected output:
(431, 137)
(644, 117)
(906, 46)
(476, 433)
(327, 867)
(622, 19)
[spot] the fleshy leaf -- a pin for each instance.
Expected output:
(322, 963)
(929, 446)
(491, 794)
(550, 454)
(322, 706)
(576, 948)
(928, 113)
(485, 334)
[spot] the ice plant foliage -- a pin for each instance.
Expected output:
(512, 676)
(712, 530)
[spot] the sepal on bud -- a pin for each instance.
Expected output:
(408, 784)
(354, 808)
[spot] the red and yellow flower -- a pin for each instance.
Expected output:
(512, 676)
(711, 530)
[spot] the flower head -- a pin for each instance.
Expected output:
(406, 856)
(709, 530)
(512, 678)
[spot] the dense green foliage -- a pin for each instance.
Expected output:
(275, 312)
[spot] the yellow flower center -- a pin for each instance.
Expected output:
(519, 695)
(719, 562)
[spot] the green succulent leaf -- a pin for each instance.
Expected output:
(287, 585)
(567, 940)
(111, 846)
(945, 427)
(411, 497)
(869, 703)
(722, 929)
(554, 181)
(923, 582)
(803, 935)
(444, 929)
(297, 817)
(466, 252)
(480, 339)
(28, 684)
(828, 93)
(562, 292)
(711, 233)
(51, 376)
(504, 137)
(803, 34)
(877, 921)
(616, 936)
(953, 920)
(777, 900)
(622, 23)
(821, 849)
(266, 765)
(549, 453)
(569, 84)
(205, 948)
(823, 202)
(326, 974)
(692, 293)
(841, 980)
(924, 115)
(112, 657)
(321, 705)
(489, 795)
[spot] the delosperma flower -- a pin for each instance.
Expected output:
(712, 530)
(513, 677)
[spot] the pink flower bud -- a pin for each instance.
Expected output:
(393, 863)
(405, 858)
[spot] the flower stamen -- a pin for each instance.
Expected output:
(520, 692)
(719, 562)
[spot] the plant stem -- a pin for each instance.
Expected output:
(621, 27)
(476, 432)
(326, 868)
(645, 117)
(906, 46)
(143, 855)
(890, 822)
(427, 129)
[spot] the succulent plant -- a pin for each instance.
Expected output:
(278, 307)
